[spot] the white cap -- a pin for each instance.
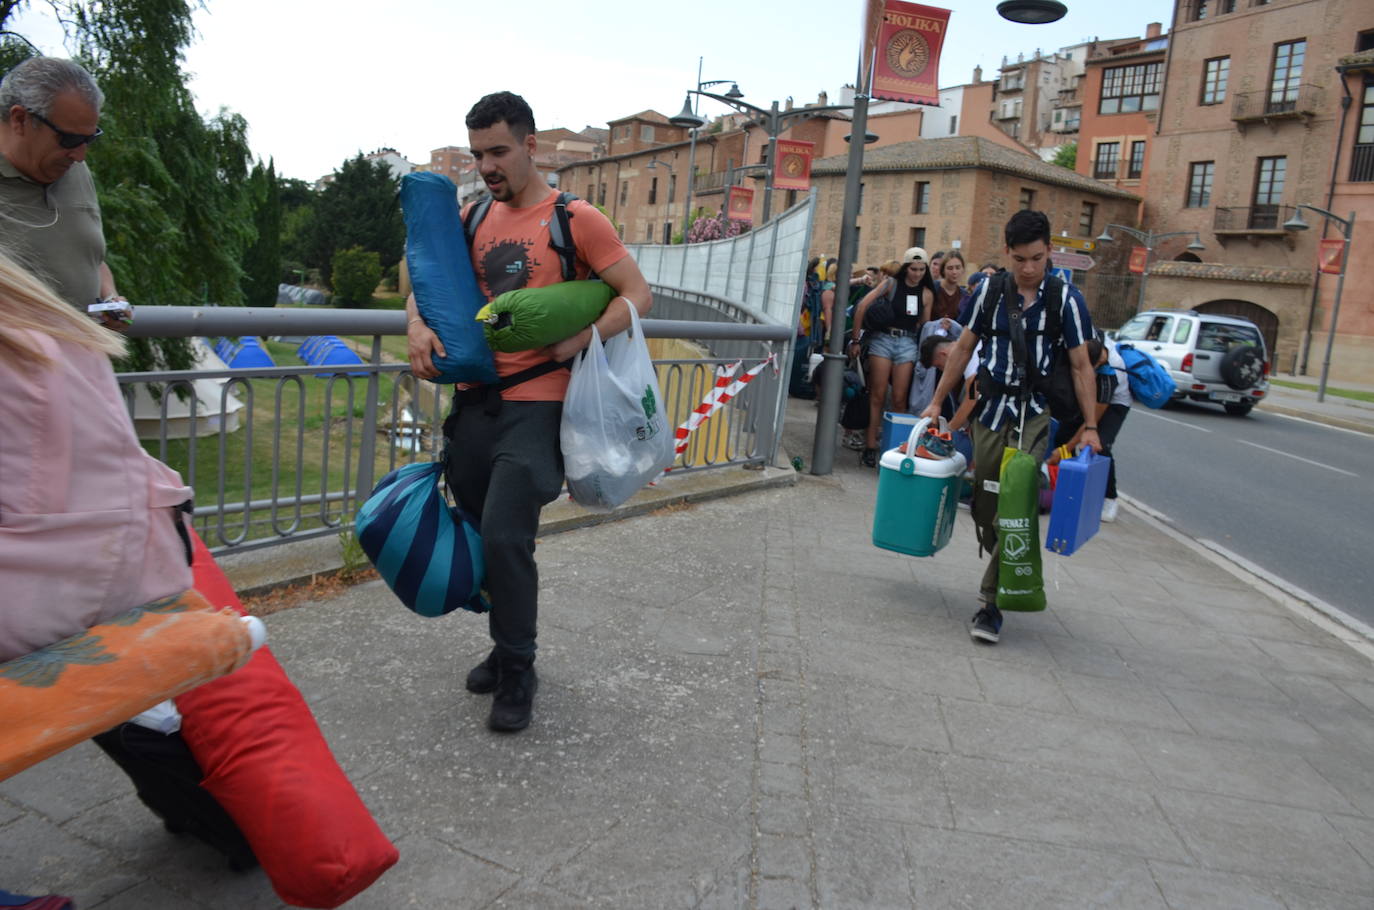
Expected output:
(913, 254)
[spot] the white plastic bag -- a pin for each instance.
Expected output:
(615, 437)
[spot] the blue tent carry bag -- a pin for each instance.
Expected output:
(428, 552)
(446, 290)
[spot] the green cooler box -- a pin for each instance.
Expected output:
(918, 499)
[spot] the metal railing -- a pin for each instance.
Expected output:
(1268, 104)
(1362, 163)
(1238, 219)
(289, 452)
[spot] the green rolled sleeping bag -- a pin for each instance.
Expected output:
(1020, 584)
(528, 318)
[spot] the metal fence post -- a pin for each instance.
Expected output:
(367, 446)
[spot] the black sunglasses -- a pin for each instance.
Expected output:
(65, 139)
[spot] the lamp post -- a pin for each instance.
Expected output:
(654, 164)
(1347, 226)
(1149, 239)
(689, 118)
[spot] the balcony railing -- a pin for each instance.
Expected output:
(1362, 164)
(1251, 219)
(1300, 101)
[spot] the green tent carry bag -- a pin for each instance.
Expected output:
(526, 319)
(1020, 582)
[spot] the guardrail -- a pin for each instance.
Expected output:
(288, 452)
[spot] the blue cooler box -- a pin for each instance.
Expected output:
(918, 499)
(896, 428)
(1076, 513)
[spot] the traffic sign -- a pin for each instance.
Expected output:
(1073, 243)
(1072, 260)
(1064, 275)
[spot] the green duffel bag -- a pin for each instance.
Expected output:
(1020, 581)
(529, 318)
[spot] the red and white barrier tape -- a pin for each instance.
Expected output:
(726, 388)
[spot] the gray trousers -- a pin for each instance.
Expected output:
(504, 468)
(987, 465)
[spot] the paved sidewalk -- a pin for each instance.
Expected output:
(745, 704)
(1335, 410)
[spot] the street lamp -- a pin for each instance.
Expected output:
(689, 119)
(654, 164)
(1032, 12)
(772, 120)
(1347, 228)
(1149, 239)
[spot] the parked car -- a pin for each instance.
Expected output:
(1220, 359)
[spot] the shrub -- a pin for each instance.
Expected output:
(356, 274)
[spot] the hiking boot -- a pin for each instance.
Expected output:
(987, 625)
(869, 458)
(514, 701)
(482, 678)
(1109, 507)
(935, 444)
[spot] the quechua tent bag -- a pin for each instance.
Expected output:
(1020, 581)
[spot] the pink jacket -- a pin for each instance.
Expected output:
(86, 516)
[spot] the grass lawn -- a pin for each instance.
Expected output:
(1353, 394)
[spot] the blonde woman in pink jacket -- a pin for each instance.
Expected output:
(90, 524)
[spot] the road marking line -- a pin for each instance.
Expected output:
(1315, 423)
(1345, 627)
(1298, 458)
(1190, 426)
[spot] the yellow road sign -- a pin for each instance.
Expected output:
(1073, 243)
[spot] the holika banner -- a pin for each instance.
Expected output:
(740, 206)
(794, 165)
(1140, 258)
(1330, 252)
(907, 59)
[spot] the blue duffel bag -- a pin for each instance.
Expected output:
(446, 290)
(428, 552)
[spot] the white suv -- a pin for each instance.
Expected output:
(1214, 358)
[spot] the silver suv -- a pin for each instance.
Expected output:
(1214, 358)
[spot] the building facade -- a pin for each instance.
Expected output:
(1252, 121)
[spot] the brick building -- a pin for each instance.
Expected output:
(939, 193)
(1252, 120)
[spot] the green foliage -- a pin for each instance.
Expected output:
(262, 261)
(355, 561)
(359, 207)
(1066, 155)
(356, 274)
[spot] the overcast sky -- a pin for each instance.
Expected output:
(319, 82)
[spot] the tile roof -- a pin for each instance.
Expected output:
(1216, 272)
(962, 152)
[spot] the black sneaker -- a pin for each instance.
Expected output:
(482, 678)
(987, 625)
(869, 458)
(514, 701)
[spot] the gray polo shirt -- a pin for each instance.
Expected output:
(55, 230)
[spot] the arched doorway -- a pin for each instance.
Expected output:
(1267, 321)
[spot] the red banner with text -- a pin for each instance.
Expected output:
(907, 58)
(740, 204)
(794, 165)
(1330, 254)
(1140, 257)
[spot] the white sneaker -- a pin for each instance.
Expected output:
(1109, 509)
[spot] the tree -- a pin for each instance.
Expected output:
(359, 207)
(356, 274)
(262, 261)
(1066, 155)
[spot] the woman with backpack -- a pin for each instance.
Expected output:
(891, 316)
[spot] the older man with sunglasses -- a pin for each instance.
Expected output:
(49, 214)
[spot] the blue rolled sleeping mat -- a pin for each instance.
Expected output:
(446, 290)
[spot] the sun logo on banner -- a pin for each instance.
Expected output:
(907, 53)
(793, 165)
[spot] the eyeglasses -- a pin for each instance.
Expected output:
(65, 139)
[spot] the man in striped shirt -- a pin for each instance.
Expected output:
(1025, 319)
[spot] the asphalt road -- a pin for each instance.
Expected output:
(1295, 498)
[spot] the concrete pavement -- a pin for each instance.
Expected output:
(745, 704)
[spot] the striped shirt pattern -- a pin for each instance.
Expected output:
(1076, 327)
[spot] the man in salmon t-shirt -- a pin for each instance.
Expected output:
(504, 461)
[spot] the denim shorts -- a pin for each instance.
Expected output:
(891, 347)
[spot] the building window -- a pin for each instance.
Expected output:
(1362, 162)
(1200, 184)
(1283, 87)
(649, 233)
(672, 188)
(590, 188)
(601, 195)
(646, 133)
(1106, 160)
(1364, 41)
(1014, 80)
(918, 237)
(1268, 192)
(624, 191)
(954, 125)
(920, 201)
(1201, 9)
(1227, 6)
(1130, 88)
(653, 190)
(1136, 168)
(1214, 75)
(1027, 198)
(1086, 219)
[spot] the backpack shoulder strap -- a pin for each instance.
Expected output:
(476, 213)
(561, 238)
(991, 297)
